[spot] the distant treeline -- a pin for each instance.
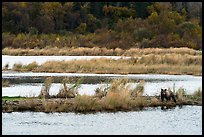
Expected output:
(102, 24)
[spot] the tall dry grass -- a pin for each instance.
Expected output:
(44, 93)
(70, 91)
(118, 98)
(96, 51)
(181, 94)
(119, 95)
(138, 91)
(159, 51)
(84, 103)
(151, 63)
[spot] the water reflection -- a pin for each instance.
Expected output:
(167, 107)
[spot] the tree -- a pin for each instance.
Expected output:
(141, 9)
(96, 9)
(53, 10)
(15, 17)
(81, 28)
(45, 24)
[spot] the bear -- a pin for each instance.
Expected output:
(168, 95)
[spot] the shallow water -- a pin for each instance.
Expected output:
(150, 88)
(33, 89)
(11, 60)
(153, 121)
(163, 77)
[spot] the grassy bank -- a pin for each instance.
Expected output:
(96, 51)
(87, 104)
(143, 64)
(118, 96)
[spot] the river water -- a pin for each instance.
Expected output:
(152, 121)
(152, 86)
(153, 82)
(177, 121)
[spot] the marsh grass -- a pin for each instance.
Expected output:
(17, 67)
(181, 94)
(30, 105)
(116, 100)
(139, 102)
(31, 66)
(144, 64)
(69, 91)
(198, 93)
(112, 102)
(100, 92)
(50, 106)
(119, 95)
(138, 90)
(96, 51)
(44, 93)
(5, 83)
(84, 103)
(155, 101)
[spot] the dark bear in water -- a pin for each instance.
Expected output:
(167, 95)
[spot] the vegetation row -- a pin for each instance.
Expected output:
(119, 96)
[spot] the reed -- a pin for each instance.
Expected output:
(96, 51)
(44, 93)
(181, 94)
(84, 103)
(155, 64)
(69, 91)
(118, 95)
(138, 91)
(114, 101)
